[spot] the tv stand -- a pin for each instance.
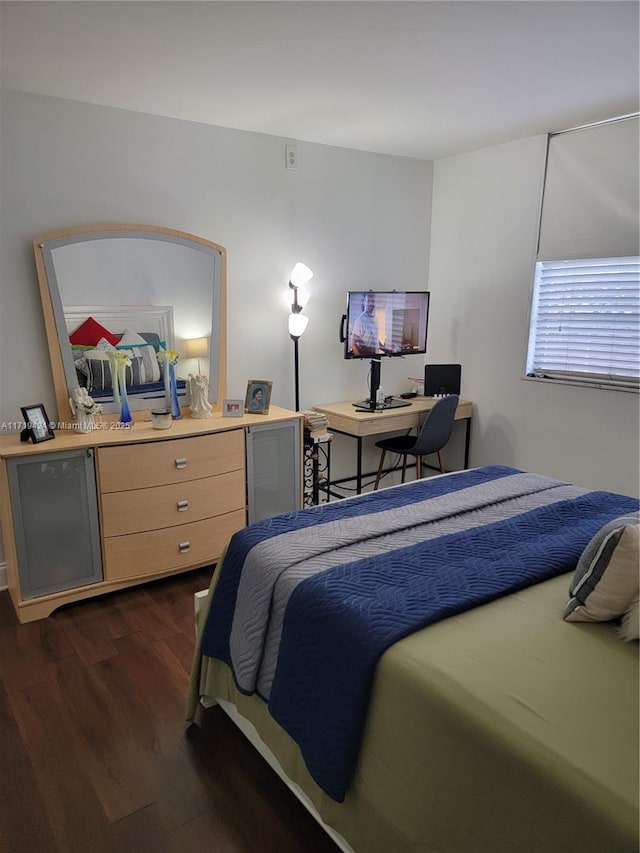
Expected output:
(372, 405)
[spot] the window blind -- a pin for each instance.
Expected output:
(591, 199)
(394, 319)
(586, 321)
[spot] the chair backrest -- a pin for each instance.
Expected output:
(436, 430)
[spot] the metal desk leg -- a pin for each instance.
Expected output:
(359, 465)
(467, 442)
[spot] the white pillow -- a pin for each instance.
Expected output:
(101, 350)
(630, 627)
(131, 337)
(105, 346)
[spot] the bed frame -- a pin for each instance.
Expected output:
(250, 732)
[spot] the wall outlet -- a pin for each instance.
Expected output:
(291, 156)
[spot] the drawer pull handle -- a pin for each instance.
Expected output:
(181, 463)
(183, 547)
(183, 505)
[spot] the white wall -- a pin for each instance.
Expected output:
(358, 220)
(484, 227)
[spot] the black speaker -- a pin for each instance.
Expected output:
(442, 379)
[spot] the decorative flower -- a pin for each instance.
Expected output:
(169, 355)
(121, 357)
(119, 360)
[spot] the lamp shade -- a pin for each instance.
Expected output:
(300, 275)
(297, 324)
(196, 347)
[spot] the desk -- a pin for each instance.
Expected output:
(345, 419)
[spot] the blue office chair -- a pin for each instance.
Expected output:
(434, 433)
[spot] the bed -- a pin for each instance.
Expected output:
(402, 660)
(141, 331)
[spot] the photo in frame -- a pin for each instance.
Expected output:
(37, 425)
(232, 408)
(258, 396)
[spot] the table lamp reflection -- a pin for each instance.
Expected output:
(197, 348)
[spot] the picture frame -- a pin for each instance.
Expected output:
(232, 408)
(258, 397)
(37, 424)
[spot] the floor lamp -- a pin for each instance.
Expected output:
(300, 275)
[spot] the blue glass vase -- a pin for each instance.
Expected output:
(125, 413)
(166, 377)
(176, 414)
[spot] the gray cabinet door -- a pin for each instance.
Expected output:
(55, 518)
(273, 469)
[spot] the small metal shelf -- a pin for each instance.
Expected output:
(317, 469)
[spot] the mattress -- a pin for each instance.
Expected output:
(404, 656)
(500, 729)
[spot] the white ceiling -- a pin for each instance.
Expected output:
(417, 79)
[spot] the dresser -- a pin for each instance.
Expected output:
(86, 514)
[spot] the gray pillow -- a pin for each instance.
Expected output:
(98, 373)
(607, 578)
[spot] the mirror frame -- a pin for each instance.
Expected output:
(57, 335)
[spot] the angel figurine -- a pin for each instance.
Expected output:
(84, 408)
(199, 393)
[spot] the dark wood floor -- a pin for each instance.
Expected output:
(95, 755)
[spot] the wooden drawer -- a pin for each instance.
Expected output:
(140, 466)
(167, 506)
(157, 551)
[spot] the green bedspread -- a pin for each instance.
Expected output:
(501, 730)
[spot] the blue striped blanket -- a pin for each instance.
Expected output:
(306, 603)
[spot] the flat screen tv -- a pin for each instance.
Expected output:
(385, 323)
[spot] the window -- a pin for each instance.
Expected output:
(585, 322)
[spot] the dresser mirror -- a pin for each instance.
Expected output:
(136, 285)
